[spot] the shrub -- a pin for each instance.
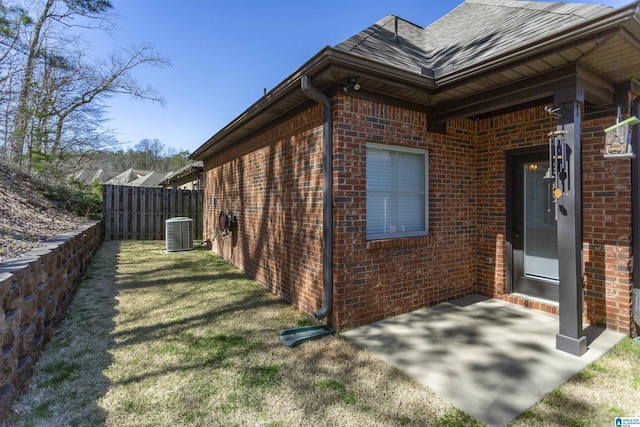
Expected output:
(81, 199)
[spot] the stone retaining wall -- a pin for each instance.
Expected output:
(35, 291)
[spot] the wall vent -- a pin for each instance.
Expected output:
(179, 234)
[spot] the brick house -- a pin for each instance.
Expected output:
(188, 177)
(406, 166)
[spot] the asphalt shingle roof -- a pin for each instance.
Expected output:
(138, 178)
(473, 31)
(378, 42)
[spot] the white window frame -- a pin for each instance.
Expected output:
(399, 234)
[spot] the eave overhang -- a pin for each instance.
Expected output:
(328, 68)
(183, 175)
(596, 54)
(619, 19)
(603, 53)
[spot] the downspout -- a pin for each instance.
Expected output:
(327, 195)
(635, 219)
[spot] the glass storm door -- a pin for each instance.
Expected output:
(534, 237)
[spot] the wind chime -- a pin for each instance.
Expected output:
(558, 170)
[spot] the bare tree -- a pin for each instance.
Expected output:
(56, 93)
(22, 114)
(12, 19)
(92, 83)
(149, 154)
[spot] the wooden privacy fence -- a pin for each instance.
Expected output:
(139, 213)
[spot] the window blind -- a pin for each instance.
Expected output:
(396, 192)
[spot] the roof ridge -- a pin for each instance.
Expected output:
(406, 20)
(371, 30)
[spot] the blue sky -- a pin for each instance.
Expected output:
(225, 52)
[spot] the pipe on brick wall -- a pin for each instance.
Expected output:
(635, 220)
(327, 195)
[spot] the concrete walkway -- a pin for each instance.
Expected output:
(491, 359)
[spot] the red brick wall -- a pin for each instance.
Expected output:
(606, 217)
(379, 279)
(273, 183)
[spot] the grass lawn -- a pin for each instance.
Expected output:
(596, 396)
(155, 339)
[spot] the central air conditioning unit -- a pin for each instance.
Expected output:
(179, 234)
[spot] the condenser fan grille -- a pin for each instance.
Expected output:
(179, 234)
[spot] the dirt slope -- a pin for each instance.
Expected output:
(26, 217)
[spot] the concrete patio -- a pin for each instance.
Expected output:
(491, 359)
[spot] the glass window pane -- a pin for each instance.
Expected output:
(410, 212)
(540, 235)
(381, 213)
(411, 172)
(396, 192)
(380, 170)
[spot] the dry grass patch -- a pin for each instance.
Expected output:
(185, 339)
(604, 390)
(155, 339)
(68, 379)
